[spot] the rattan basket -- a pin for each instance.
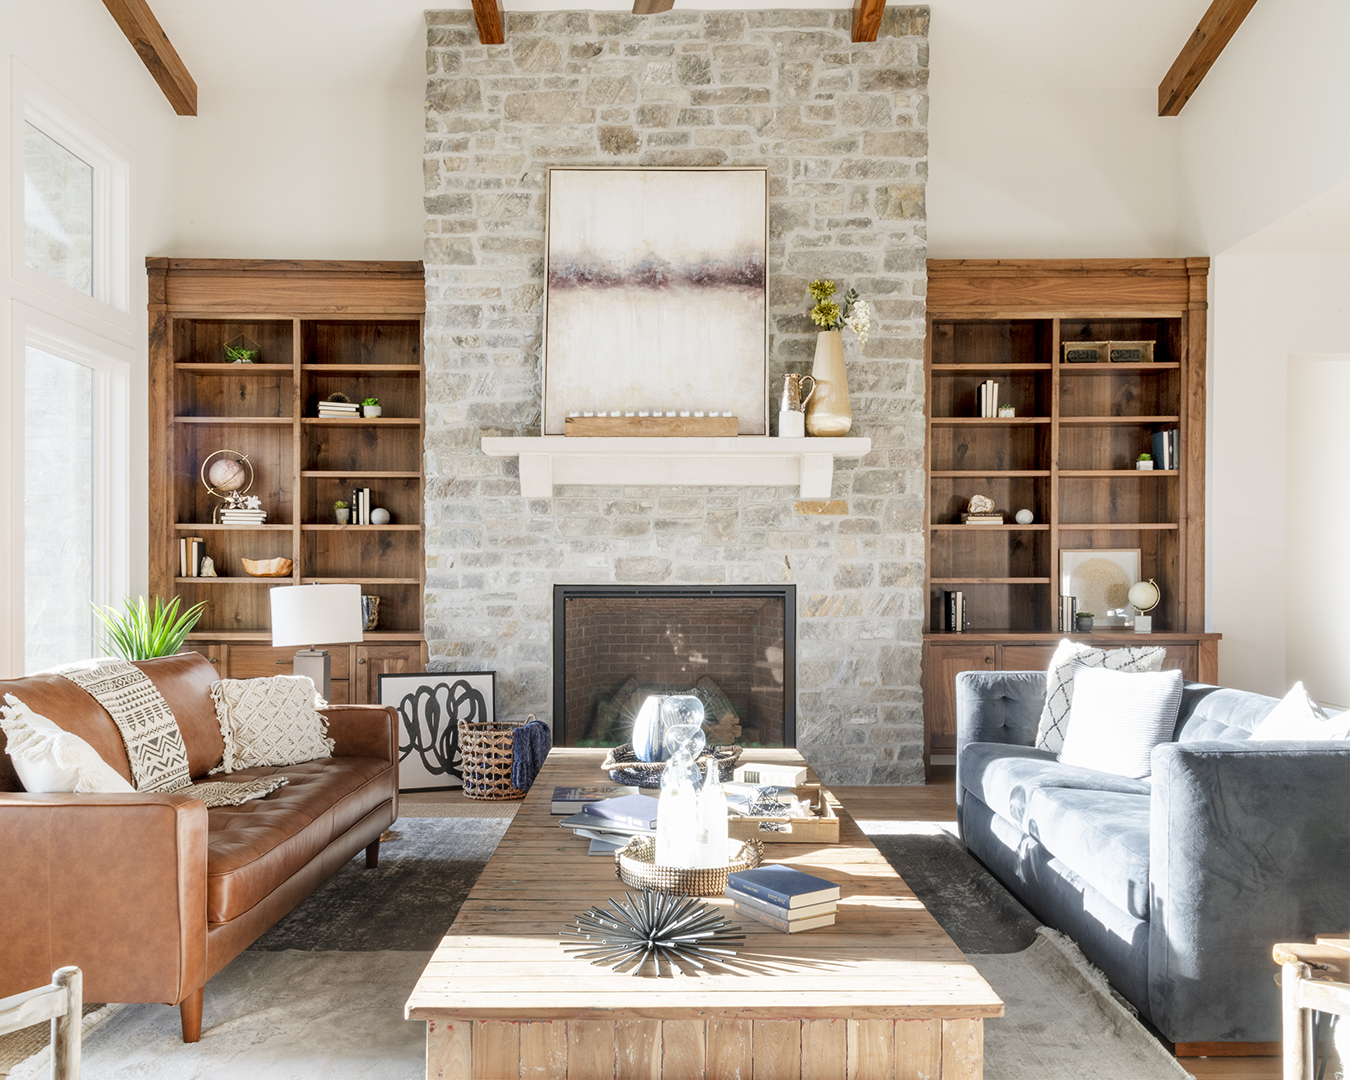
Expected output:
(635, 865)
(486, 755)
(623, 765)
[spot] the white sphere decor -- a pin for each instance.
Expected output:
(1025, 517)
(379, 516)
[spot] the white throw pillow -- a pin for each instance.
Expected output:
(48, 758)
(1119, 717)
(1059, 682)
(1298, 716)
(269, 722)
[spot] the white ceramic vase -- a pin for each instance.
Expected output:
(828, 412)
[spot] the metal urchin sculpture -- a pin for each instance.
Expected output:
(654, 926)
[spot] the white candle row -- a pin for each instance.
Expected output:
(650, 412)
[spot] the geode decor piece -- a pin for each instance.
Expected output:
(680, 931)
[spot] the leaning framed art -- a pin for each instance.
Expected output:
(1100, 578)
(656, 293)
(430, 705)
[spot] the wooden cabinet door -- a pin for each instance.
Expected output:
(217, 654)
(1026, 657)
(1183, 658)
(373, 661)
(945, 662)
(263, 661)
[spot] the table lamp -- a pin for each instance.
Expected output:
(316, 615)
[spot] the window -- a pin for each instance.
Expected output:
(58, 211)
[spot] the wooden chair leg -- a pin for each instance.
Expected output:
(373, 854)
(190, 1010)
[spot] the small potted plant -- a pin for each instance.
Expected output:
(242, 350)
(371, 407)
(1144, 462)
(1083, 622)
(341, 512)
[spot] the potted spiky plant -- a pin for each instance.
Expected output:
(142, 631)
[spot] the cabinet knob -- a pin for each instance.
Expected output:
(360, 659)
(212, 659)
(989, 660)
(281, 661)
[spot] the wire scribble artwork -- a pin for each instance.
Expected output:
(430, 717)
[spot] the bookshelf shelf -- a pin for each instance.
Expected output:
(1068, 456)
(322, 328)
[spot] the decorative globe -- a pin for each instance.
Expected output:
(226, 474)
(1144, 595)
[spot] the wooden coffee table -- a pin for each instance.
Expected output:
(884, 993)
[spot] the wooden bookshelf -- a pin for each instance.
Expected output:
(1068, 456)
(322, 327)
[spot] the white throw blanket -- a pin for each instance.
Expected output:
(150, 734)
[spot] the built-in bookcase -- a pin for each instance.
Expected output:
(1069, 453)
(320, 328)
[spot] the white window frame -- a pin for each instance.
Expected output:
(33, 102)
(111, 364)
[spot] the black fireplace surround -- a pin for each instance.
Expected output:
(733, 645)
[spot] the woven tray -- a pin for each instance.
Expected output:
(624, 767)
(486, 754)
(635, 865)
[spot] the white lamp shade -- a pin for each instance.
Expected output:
(316, 614)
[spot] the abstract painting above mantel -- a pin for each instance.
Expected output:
(657, 293)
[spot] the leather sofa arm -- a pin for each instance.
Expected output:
(1249, 845)
(114, 884)
(363, 731)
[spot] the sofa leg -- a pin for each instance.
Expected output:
(373, 854)
(190, 1009)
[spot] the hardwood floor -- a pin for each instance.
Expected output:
(936, 801)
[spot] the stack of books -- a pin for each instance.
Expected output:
(982, 519)
(570, 800)
(1165, 448)
(610, 823)
(782, 897)
(191, 551)
(242, 516)
(360, 506)
(339, 410)
(988, 398)
(954, 616)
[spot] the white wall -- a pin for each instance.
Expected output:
(294, 173)
(78, 52)
(1266, 307)
(1317, 523)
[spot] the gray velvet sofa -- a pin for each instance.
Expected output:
(1176, 886)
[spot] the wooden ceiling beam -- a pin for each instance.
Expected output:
(491, 22)
(651, 7)
(152, 45)
(1197, 56)
(867, 19)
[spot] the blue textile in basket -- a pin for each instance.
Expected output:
(530, 744)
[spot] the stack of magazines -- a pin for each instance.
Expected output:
(610, 823)
(339, 410)
(783, 897)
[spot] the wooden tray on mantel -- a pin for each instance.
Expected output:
(666, 427)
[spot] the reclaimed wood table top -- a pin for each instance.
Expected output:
(503, 959)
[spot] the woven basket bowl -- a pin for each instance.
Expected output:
(623, 765)
(486, 755)
(635, 865)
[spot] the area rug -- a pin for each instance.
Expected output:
(321, 995)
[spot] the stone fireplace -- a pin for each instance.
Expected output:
(841, 127)
(732, 646)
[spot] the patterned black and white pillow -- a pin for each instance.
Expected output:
(1054, 723)
(1119, 717)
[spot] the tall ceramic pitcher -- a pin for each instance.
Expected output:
(792, 407)
(828, 412)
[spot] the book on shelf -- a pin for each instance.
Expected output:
(632, 811)
(779, 775)
(981, 519)
(784, 926)
(785, 886)
(954, 616)
(1165, 448)
(569, 800)
(243, 517)
(988, 396)
(1068, 614)
(778, 911)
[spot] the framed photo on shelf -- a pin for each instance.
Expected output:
(656, 292)
(430, 705)
(1100, 578)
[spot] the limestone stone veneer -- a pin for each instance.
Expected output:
(841, 128)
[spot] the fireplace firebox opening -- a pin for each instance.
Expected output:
(734, 646)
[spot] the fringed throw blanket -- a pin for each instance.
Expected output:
(150, 734)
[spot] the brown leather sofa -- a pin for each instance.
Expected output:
(152, 894)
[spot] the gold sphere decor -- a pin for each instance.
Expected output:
(227, 475)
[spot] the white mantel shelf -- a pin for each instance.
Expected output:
(745, 461)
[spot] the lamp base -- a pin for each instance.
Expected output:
(317, 665)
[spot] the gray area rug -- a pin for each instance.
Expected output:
(320, 996)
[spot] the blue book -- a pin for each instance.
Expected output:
(634, 811)
(783, 886)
